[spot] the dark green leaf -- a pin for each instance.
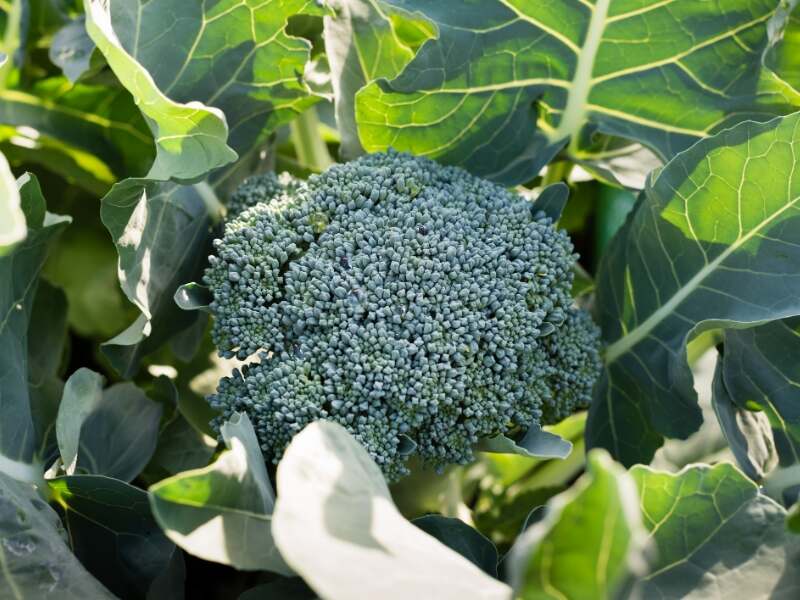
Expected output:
(712, 242)
(588, 544)
(35, 559)
(113, 533)
(180, 448)
(282, 589)
(503, 86)
(162, 232)
(716, 536)
(552, 200)
(458, 536)
(19, 274)
(762, 373)
(72, 48)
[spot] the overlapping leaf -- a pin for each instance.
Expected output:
(12, 218)
(712, 242)
(716, 536)
(35, 560)
(19, 275)
(506, 84)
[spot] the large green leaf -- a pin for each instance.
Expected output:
(34, 558)
(162, 233)
(761, 370)
(113, 533)
(713, 242)
(506, 84)
(458, 536)
(589, 543)
(110, 432)
(12, 218)
(716, 536)
(19, 275)
(366, 40)
(223, 513)
(333, 502)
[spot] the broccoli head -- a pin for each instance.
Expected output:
(415, 304)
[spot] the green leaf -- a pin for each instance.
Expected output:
(793, 519)
(72, 48)
(460, 537)
(12, 219)
(716, 536)
(504, 85)
(162, 232)
(552, 200)
(113, 533)
(761, 372)
(98, 126)
(180, 448)
(535, 443)
(223, 513)
(366, 40)
(747, 432)
(109, 432)
(333, 501)
(19, 275)
(712, 242)
(47, 341)
(34, 557)
(588, 544)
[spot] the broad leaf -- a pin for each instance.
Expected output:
(109, 432)
(589, 543)
(223, 513)
(35, 559)
(19, 274)
(504, 85)
(716, 536)
(12, 218)
(333, 502)
(72, 48)
(162, 234)
(364, 41)
(712, 242)
(458, 536)
(762, 373)
(113, 533)
(535, 443)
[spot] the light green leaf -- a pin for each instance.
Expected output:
(12, 219)
(535, 443)
(162, 233)
(716, 536)
(589, 543)
(113, 533)
(35, 560)
(190, 136)
(333, 502)
(223, 513)
(712, 242)
(19, 275)
(505, 85)
(366, 40)
(110, 432)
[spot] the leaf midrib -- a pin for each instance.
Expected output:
(638, 333)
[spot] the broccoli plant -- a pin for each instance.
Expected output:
(419, 306)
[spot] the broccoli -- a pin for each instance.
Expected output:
(415, 304)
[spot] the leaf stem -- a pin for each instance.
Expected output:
(311, 150)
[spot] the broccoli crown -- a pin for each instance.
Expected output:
(405, 300)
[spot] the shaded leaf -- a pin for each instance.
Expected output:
(223, 513)
(588, 543)
(460, 537)
(534, 443)
(716, 536)
(333, 501)
(72, 48)
(552, 200)
(36, 560)
(113, 533)
(693, 256)
(19, 274)
(504, 85)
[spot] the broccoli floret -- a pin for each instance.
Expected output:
(402, 299)
(260, 188)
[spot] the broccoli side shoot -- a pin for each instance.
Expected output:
(407, 301)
